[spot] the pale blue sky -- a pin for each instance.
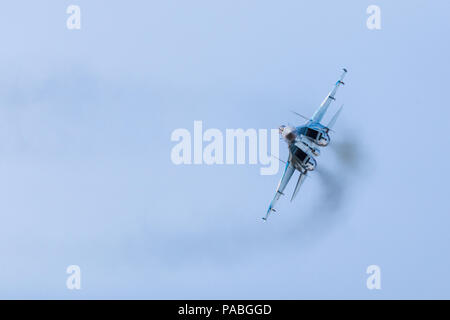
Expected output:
(86, 176)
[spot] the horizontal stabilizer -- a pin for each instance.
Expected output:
(300, 115)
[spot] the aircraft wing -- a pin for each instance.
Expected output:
(288, 171)
(318, 115)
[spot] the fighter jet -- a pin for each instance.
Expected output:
(303, 143)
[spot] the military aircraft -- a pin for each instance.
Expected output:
(303, 143)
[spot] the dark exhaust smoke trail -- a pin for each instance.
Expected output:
(312, 216)
(336, 180)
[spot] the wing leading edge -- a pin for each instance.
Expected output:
(318, 115)
(288, 172)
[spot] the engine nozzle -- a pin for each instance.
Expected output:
(288, 133)
(324, 140)
(311, 164)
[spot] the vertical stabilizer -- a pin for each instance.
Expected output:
(301, 178)
(333, 120)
